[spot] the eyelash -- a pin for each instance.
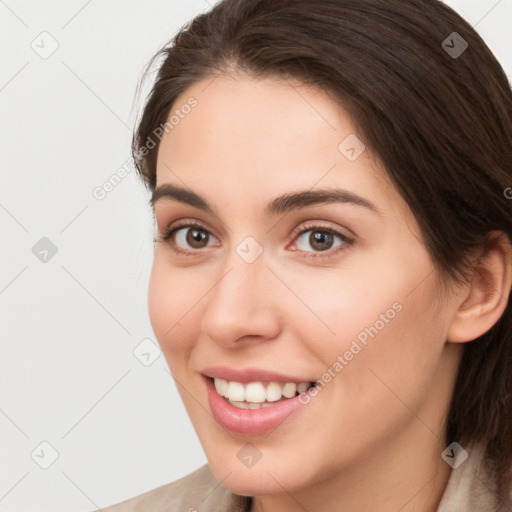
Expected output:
(347, 241)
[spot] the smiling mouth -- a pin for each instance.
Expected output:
(258, 394)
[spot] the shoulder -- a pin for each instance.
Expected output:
(197, 492)
(471, 487)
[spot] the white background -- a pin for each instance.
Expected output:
(70, 324)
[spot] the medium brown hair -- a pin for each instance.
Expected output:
(441, 125)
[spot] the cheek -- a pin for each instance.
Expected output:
(391, 350)
(173, 305)
(345, 306)
(373, 318)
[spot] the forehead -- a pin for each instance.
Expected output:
(273, 119)
(261, 138)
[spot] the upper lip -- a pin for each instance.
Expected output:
(245, 375)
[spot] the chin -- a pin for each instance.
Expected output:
(263, 478)
(247, 481)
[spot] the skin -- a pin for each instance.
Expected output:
(371, 439)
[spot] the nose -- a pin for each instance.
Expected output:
(243, 306)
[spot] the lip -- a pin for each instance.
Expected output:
(249, 421)
(250, 375)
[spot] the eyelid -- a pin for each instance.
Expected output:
(318, 226)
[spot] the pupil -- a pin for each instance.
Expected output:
(196, 238)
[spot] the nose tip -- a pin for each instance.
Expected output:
(239, 306)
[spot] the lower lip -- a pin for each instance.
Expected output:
(249, 421)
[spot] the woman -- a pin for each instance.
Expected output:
(332, 266)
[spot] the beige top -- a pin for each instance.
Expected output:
(468, 490)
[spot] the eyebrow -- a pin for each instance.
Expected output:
(281, 204)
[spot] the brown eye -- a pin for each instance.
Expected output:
(188, 238)
(194, 238)
(320, 240)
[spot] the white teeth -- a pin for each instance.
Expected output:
(273, 392)
(236, 391)
(289, 389)
(255, 392)
(254, 395)
(302, 387)
(241, 405)
(221, 386)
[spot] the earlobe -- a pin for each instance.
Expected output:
(487, 295)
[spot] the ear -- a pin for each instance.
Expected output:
(486, 296)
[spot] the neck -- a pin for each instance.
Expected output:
(408, 476)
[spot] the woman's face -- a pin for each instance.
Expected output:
(303, 264)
